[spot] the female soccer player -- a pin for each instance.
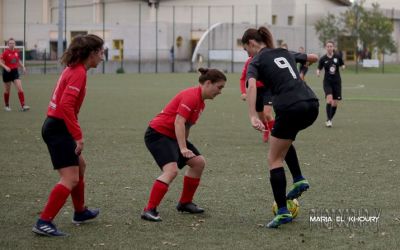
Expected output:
(166, 139)
(10, 62)
(295, 106)
(332, 80)
(263, 102)
(63, 135)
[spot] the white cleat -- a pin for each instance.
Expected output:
(25, 108)
(328, 123)
(7, 108)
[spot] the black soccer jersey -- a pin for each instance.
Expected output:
(276, 68)
(331, 66)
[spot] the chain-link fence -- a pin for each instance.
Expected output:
(167, 38)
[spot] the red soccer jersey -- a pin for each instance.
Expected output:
(67, 98)
(243, 77)
(10, 58)
(187, 103)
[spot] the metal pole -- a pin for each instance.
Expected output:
(24, 24)
(233, 37)
(60, 28)
(156, 39)
(173, 39)
(305, 28)
(191, 30)
(65, 23)
(139, 37)
(356, 38)
(45, 62)
(256, 16)
(209, 37)
(104, 33)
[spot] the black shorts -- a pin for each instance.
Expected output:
(10, 76)
(60, 143)
(165, 149)
(264, 97)
(297, 117)
(333, 88)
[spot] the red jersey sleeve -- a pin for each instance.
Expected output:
(187, 106)
(243, 77)
(70, 103)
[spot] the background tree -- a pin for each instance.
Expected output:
(368, 28)
(328, 28)
(376, 31)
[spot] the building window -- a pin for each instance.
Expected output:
(274, 19)
(290, 20)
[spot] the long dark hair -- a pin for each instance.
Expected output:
(80, 48)
(260, 35)
(214, 75)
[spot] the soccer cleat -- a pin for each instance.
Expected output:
(297, 189)
(266, 136)
(87, 214)
(7, 108)
(283, 217)
(189, 207)
(328, 123)
(47, 228)
(25, 108)
(151, 215)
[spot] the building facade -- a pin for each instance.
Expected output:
(149, 30)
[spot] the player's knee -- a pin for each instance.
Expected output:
(70, 181)
(171, 173)
(200, 163)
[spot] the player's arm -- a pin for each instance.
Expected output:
(67, 105)
(251, 101)
(341, 63)
(319, 67)
(243, 81)
(22, 66)
(181, 133)
(68, 102)
(252, 75)
(311, 58)
(3, 64)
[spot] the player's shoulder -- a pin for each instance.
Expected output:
(192, 93)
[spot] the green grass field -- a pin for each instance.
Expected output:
(355, 165)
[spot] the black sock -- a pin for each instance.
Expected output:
(329, 111)
(333, 111)
(278, 183)
(293, 163)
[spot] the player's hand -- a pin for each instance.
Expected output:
(24, 70)
(243, 97)
(79, 147)
(187, 153)
(318, 73)
(257, 123)
(7, 69)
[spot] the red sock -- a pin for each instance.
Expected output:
(57, 198)
(157, 194)
(7, 99)
(271, 124)
(189, 188)
(21, 98)
(266, 126)
(78, 196)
